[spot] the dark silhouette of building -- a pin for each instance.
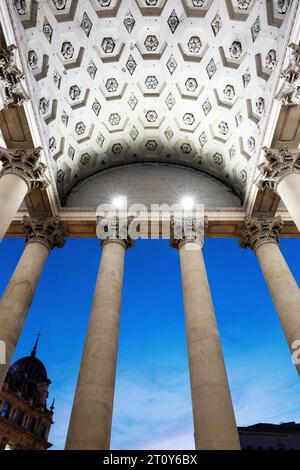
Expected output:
(264, 436)
(25, 419)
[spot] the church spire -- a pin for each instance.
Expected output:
(34, 350)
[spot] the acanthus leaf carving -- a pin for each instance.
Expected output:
(13, 92)
(26, 164)
(277, 164)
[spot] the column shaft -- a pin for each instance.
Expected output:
(17, 299)
(214, 421)
(288, 189)
(284, 290)
(94, 396)
(13, 189)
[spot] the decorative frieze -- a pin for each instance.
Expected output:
(48, 232)
(12, 90)
(290, 93)
(260, 230)
(277, 164)
(26, 164)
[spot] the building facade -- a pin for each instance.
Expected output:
(25, 418)
(265, 436)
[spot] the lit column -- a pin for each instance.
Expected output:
(21, 172)
(91, 418)
(214, 420)
(42, 235)
(281, 173)
(261, 235)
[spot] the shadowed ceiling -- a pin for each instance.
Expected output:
(181, 82)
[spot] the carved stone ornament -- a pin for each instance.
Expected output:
(115, 228)
(261, 230)
(290, 92)
(12, 90)
(277, 164)
(26, 164)
(49, 232)
(187, 229)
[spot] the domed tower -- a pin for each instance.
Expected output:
(25, 418)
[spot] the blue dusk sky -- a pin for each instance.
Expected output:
(152, 400)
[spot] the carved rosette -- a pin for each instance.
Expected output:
(278, 163)
(49, 232)
(261, 230)
(290, 92)
(115, 229)
(26, 164)
(12, 90)
(187, 229)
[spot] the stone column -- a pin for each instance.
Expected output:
(214, 420)
(91, 418)
(42, 235)
(21, 172)
(261, 235)
(281, 173)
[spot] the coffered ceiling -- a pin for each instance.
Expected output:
(185, 82)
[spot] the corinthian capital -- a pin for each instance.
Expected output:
(187, 229)
(26, 164)
(48, 232)
(13, 92)
(115, 228)
(261, 230)
(277, 164)
(290, 92)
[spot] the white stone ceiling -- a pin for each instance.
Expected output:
(187, 82)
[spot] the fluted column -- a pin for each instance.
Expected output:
(261, 235)
(91, 418)
(281, 173)
(21, 172)
(42, 235)
(214, 420)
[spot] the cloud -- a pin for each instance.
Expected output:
(62, 412)
(153, 413)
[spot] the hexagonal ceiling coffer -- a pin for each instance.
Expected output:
(113, 86)
(77, 96)
(27, 12)
(239, 10)
(64, 10)
(151, 118)
(106, 8)
(37, 60)
(234, 51)
(151, 83)
(187, 118)
(196, 8)
(116, 122)
(151, 7)
(190, 86)
(193, 45)
(109, 45)
(227, 93)
(151, 43)
(70, 50)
